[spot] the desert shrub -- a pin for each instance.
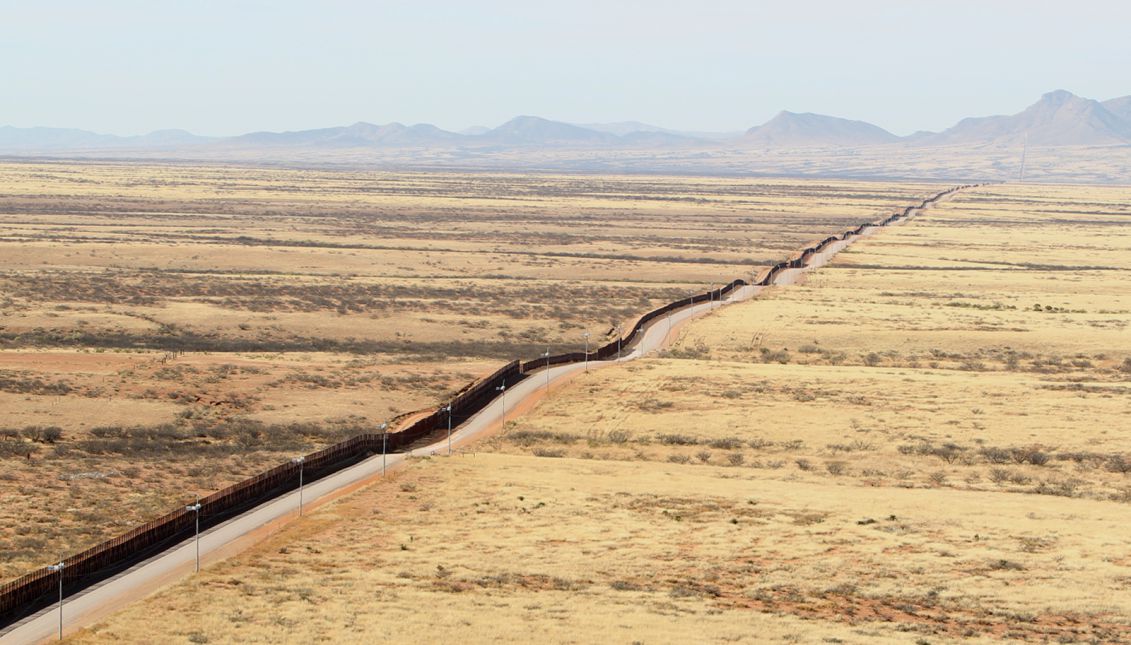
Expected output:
(804, 464)
(1118, 464)
(774, 356)
(22, 449)
(529, 437)
(619, 436)
(855, 446)
(678, 440)
(548, 452)
(1060, 488)
(654, 405)
(703, 456)
(760, 444)
(725, 443)
(679, 459)
(736, 459)
(835, 467)
(1028, 455)
(995, 455)
(937, 478)
(43, 434)
(948, 452)
(999, 475)
(1126, 366)
(697, 351)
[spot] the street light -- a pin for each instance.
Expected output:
(299, 461)
(384, 442)
(196, 509)
(59, 568)
(586, 335)
(503, 397)
(448, 408)
(547, 357)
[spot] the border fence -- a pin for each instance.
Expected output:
(28, 594)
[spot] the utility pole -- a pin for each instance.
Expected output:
(448, 408)
(196, 509)
(299, 461)
(384, 442)
(59, 568)
(547, 356)
(503, 398)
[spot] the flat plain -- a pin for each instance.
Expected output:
(168, 330)
(926, 441)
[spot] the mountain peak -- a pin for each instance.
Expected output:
(1059, 118)
(535, 130)
(1058, 97)
(808, 129)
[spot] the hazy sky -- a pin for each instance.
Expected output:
(231, 66)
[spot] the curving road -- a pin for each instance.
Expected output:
(240, 532)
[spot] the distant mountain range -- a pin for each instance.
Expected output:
(789, 129)
(1059, 118)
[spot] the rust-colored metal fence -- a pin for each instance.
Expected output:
(38, 589)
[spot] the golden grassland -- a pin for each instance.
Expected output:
(169, 330)
(889, 452)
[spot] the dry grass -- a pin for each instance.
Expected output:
(850, 484)
(180, 328)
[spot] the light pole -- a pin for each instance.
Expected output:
(503, 398)
(59, 568)
(547, 355)
(448, 408)
(586, 335)
(196, 509)
(299, 461)
(384, 442)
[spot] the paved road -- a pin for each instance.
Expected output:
(224, 539)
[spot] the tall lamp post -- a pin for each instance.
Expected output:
(586, 335)
(59, 568)
(196, 509)
(299, 461)
(503, 398)
(547, 357)
(448, 408)
(384, 442)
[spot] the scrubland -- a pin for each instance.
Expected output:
(168, 330)
(926, 441)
